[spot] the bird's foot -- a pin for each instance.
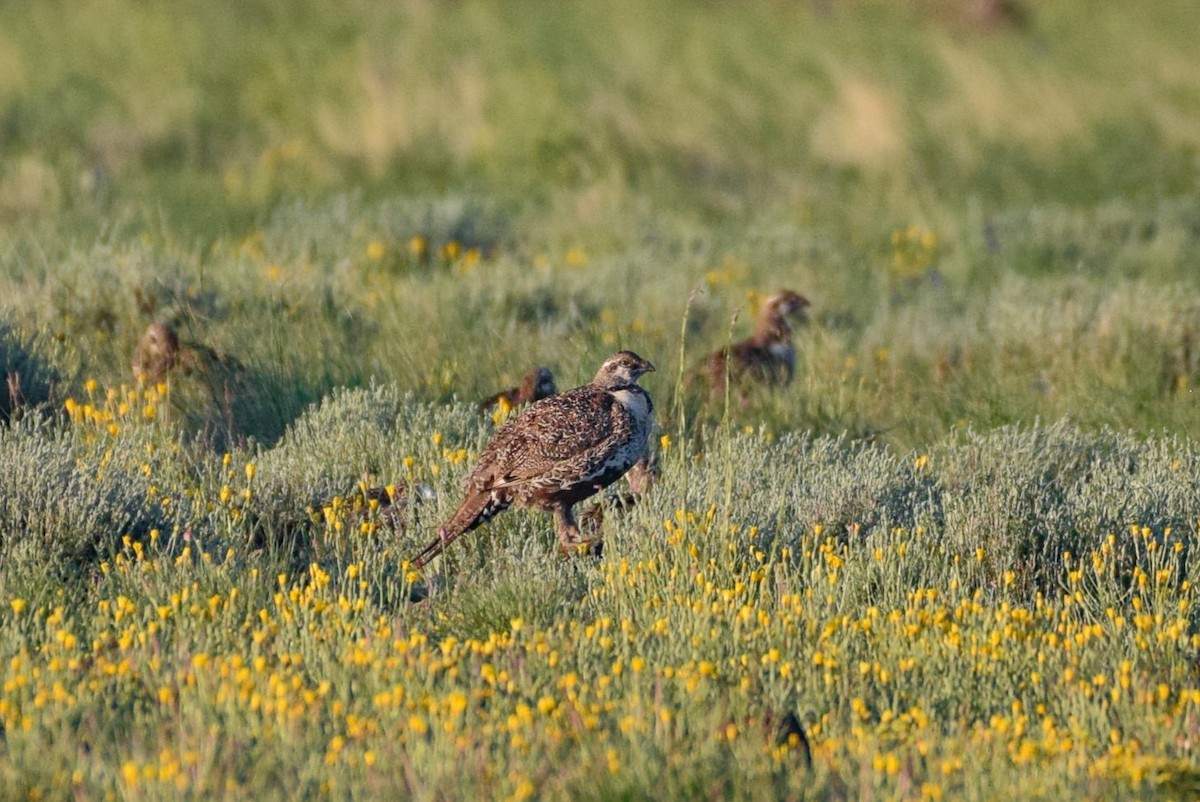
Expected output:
(592, 547)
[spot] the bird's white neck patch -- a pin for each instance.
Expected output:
(634, 402)
(783, 350)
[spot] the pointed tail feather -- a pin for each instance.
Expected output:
(476, 509)
(436, 546)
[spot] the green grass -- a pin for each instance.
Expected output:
(959, 545)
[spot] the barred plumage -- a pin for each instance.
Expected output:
(557, 452)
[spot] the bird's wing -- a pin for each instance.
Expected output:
(549, 433)
(747, 352)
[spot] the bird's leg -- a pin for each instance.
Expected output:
(570, 539)
(565, 526)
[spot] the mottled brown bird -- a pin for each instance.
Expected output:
(557, 452)
(156, 355)
(536, 385)
(768, 357)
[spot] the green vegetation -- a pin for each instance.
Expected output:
(959, 546)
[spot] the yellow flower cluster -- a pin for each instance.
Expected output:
(419, 250)
(678, 643)
(117, 406)
(914, 251)
(732, 270)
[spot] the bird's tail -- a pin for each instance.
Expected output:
(476, 509)
(490, 401)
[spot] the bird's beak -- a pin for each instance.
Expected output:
(649, 368)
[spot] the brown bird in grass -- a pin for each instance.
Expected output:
(536, 385)
(768, 356)
(156, 355)
(558, 452)
(160, 351)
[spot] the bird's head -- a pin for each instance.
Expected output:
(541, 384)
(778, 309)
(786, 303)
(161, 337)
(622, 368)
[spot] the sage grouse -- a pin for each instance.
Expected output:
(537, 384)
(156, 355)
(768, 356)
(557, 452)
(160, 352)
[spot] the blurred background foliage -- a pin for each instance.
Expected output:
(832, 113)
(991, 203)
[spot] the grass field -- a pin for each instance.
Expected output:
(958, 547)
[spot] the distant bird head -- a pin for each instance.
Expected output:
(786, 303)
(156, 354)
(538, 384)
(778, 308)
(622, 368)
(161, 337)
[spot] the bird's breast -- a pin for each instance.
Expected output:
(785, 352)
(636, 402)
